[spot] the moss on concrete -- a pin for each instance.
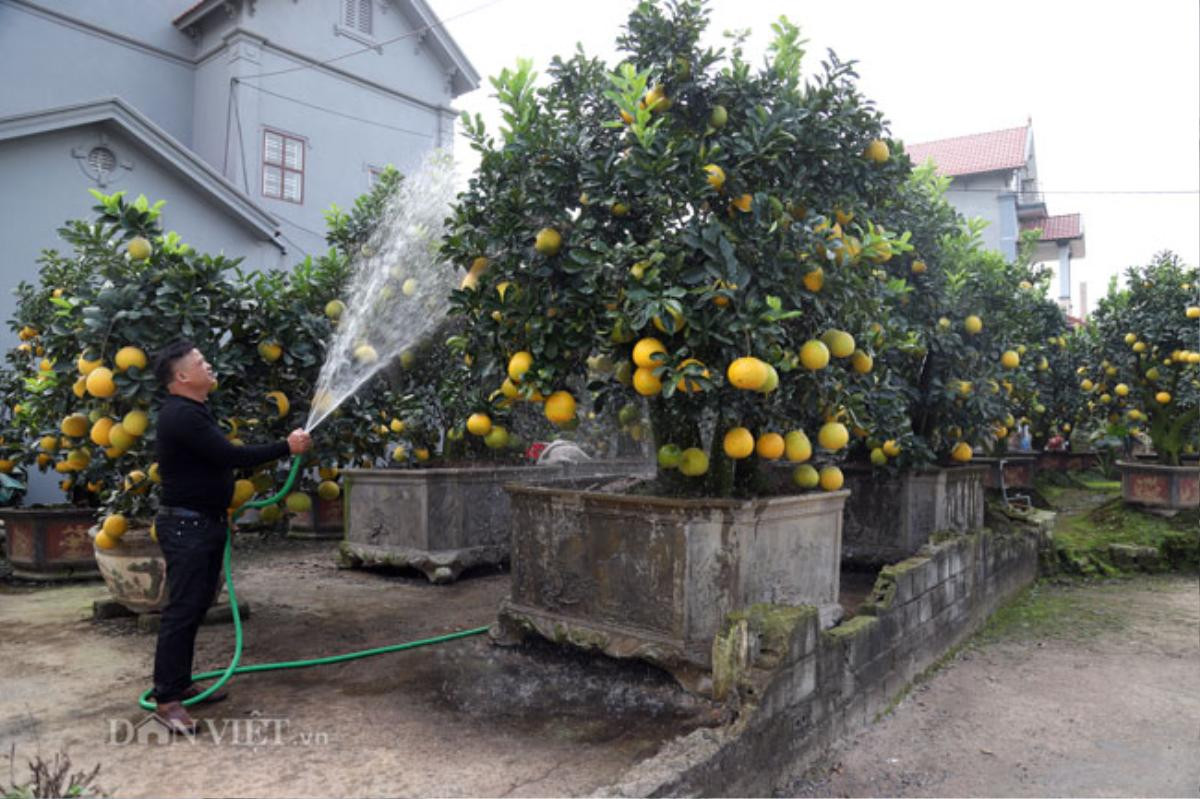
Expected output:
(851, 628)
(1085, 543)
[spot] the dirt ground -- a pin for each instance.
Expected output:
(1075, 690)
(462, 718)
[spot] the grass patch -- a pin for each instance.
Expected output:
(1045, 610)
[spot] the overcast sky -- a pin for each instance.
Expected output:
(1113, 90)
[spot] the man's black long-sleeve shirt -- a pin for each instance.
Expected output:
(195, 459)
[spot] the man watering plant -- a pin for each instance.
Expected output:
(196, 464)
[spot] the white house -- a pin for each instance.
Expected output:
(994, 177)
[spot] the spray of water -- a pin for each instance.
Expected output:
(399, 288)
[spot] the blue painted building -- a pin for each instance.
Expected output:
(249, 117)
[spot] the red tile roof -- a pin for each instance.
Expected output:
(979, 152)
(1056, 228)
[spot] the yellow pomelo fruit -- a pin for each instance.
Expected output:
(105, 541)
(114, 526)
(891, 448)
(365, 354)
(686, 385)
(814, 355)
(560, 407)
(831, 478)
(298, 502)
(270, 351)
(519, 364)
(805, 476)
(139, 248)
(1162, 398)
(833, 436)
(75, 425)
(399, 453)
(135, 422)
(280, 401)
(334, 309)
(129, 357)
(119, 438)
(645, 382)
(100, 431)
(961, 452)
(861, 362)
(748, 373)
(796, 446)
(769, 446)
(100, 383)
(647, 352)
(243, 490)
(973, 324)
(86, 365)
(497, 438)
(814, 279)
(48, 443)
(715, 176)
(329, 490)
(548, 241)
(738, 443)
(772, 381)
(1010, 360)
(839, 342)
(877, 151)
(479, 424)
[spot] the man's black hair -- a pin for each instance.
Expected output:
(165, 360)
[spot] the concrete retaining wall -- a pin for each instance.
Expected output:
(798, 689)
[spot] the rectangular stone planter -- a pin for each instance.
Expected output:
(50, 543)
(1049, 461)
(1154, 485)
(442, 521)
(1019, 470)
(324, 521)
(653, 577)
(888, 519)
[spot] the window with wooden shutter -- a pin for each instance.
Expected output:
(356, 15)
(283, 166)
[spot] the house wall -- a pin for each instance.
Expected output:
(403, 94)
(45, 61)
(989, 197)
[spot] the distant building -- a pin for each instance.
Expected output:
(994, 177)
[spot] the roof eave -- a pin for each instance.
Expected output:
(178, 157)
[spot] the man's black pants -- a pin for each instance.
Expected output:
(194, 548)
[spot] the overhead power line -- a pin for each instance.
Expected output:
(315, 107)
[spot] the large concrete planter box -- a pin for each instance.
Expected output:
(135, 572)
(1019, 471)
(1157, 486)
(324, 521)
(653, 578)
(1052, 461)
(442, 521)
(49, 543)
(888, 519)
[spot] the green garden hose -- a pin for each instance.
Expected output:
(233, 668)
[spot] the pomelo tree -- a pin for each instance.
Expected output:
(1144, 374)
(80, 386)
(692, 230)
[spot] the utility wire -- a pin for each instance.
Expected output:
(418, 32)
(1081, 191)
(316, 107)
